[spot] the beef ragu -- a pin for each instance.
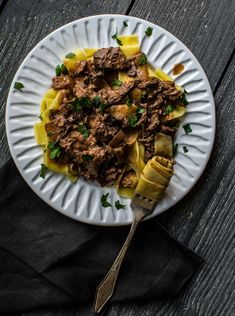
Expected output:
(100, 117)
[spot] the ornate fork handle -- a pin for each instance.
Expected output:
(106, 288)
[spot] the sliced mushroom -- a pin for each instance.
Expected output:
(131, 137)
(121, 111)
(117, 139)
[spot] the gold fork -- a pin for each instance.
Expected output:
(141, 207)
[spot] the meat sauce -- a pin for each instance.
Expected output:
(177, 69)
(86, 123)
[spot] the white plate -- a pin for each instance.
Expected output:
(81, 201)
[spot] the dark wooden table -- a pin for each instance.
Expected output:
(204, 219)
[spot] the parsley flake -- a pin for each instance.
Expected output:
(183, 98)
(104, 201)
(128, 101)
(169, 109)
(55, 150)
(97, 102)
(61, 70)
(125, 24)
(140, 110)
(85, 102)
(149, 31)
(118, 205)
(117, 83)
(133, 120)
(43, 171)
(87, 157)
(83, 130)
(143, 59)
(115, 37)
(81, 103)
(187, 128)
(18, 86)
(185, 149)
(70, 55)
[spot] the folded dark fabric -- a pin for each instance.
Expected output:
(49, 260)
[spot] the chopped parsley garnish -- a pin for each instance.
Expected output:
(40, 117)
(81, 103)
(118, 205)
(143, 97)
(18, 86)
(87, 157)
(61, 69)
(70, 55)
(115, 37)
(169, 109)
(187, 128)
(83, 130)
(76, 106)
(149, 31)
(97, 102)
(43, 170)
(133, 120)
(117, 83)
(128, 101)
(143, 59)
(104, 201)
(125, 24)
(85, 102)
(185, 149)
(183, 98)
(49, 134)
(140, 110)
(175, 148)
(55, 150)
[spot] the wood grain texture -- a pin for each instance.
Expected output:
(2, 4)
(204, 219)
(24, 23)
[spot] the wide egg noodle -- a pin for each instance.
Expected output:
(71, 62)
(130, 46)
(127, 192)
(40, 134)
(152, 183)
(121, 111)
(178, 112)
(150, 173)
(160, 74)
(163, 145)
(149, 189)
(51, 101)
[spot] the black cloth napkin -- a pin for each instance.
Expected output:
(47, 259)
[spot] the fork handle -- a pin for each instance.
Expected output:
(106, 288)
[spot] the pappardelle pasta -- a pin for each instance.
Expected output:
(110, 117)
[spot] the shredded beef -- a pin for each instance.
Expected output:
(101, 127)
(63, 82)
(112, 96)
(84, 89)
(147, 139)
(110, 58)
